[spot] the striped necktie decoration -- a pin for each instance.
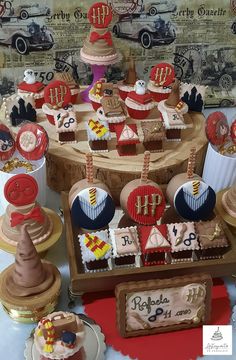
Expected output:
(98, 247)
(92, 196)
(196, 185)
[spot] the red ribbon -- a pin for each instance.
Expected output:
(95, 37)
(35, 214)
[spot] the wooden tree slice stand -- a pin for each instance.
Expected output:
(66, 163)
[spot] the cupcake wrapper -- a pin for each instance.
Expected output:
(138, 114)
(123, 94)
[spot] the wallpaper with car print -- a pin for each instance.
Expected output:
(198, 37)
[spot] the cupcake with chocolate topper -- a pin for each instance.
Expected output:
(161, 77)
(90, 201)
(29, 288)
(98, 48)
(128, 84)
(172, 111)
(112, 110)
(139, 102)
(97, 92)
(29, 85)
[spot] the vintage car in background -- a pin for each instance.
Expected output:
(159, 7)
(27, 37)
(233, 27)
(23, 11)
(148, 30)
(216, 98)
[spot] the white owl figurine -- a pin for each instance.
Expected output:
(140, 87)
(29, 76)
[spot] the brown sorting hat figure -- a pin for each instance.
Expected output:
(229, 201)
(174, 97)
(29, 275)
(131, 76)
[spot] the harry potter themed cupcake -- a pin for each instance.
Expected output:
(91, 205)
(98, 48)
(127, 138)
(60, 336)
(98, 135)
(128, 84)
(161, 77)
(69, 80)
(29, 288)
(153, 135)
(229, 201)
(21, 191)
(139, 102)
(156, 248)
(184, 241)
(96, 250)
(97, 92)
(125, 246)
(29, 85)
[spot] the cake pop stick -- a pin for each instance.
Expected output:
(145, 170)
(191, 163)
(89, 167)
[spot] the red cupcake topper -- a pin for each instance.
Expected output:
(162, 74)
(100, 15)
(32, 141)
(21, 189)
(7, 143)
(57, 94)
(233, 131)
(217, 128)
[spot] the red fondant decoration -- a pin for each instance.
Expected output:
(33, 88)
(131, 128)
(146, 204)
(217, 128)
(163, 74)
(32, 141)
(145, 231)
(233, 131)
(35, 214)
(100, 15)
(57, 93)
(21, 189)
(140, 99)
(159, 346)
(106, 36)
(7, 143)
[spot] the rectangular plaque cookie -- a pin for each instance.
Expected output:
(154, 306)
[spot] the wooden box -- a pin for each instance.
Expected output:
(81, 282)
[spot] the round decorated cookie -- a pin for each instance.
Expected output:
(143, 201)
(100, 15)
(21, 189)
(162, 74)
(7, 143)
(233, 131)
(217, 128)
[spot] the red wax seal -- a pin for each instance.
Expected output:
(217, 128)
(146, 204)
(163, 74)
(233, 131)
(7, 143)
(57, 93)
(21, 189)
(32, 141)
(100, 15)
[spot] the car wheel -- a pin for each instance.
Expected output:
(48, 47)
(116, 31)
(226, 82)
(24, 14)
(146, 40)
(21, 44)
(226, 103)
(234, 28)
(152, 11)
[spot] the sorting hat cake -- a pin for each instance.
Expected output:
(29, 288)
(142, 199)
(91, 204)
(128, 84)
(21, 191)
(229, 201)
(192, 198)
(98, 48)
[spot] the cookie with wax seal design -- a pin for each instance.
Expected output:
(32, 141)
(7, 143)
(21, 189)
(217, 128)
(100, 15)
(162, 74)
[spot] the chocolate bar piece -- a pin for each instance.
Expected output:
(62, 324)
(112, 106)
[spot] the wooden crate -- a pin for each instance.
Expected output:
(81, 282)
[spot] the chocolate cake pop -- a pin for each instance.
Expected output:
(192, 198)
(91, 204)
(229, 201)
(26, 278)
(142, 199)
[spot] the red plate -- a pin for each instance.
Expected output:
(233, 131)
(57, 93)
(21, 189)
(32, 141)
(7, 143)
(163, 74)
(100, 15)
(217, 128)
